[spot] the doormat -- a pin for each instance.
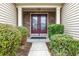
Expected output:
(38, 37)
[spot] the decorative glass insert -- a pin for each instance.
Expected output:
(43, 22)
(35, 22)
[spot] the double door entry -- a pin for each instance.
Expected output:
(38, 23)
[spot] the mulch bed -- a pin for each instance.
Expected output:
(47, 43)
(24, 49)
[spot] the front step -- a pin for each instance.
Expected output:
(39, 35)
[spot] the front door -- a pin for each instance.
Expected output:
(38, 23)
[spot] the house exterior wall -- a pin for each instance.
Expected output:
(70, 19)
(26, 18)
(8, 13)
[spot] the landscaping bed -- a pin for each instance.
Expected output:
(24, 49)
(12, 39)
(48, 44)
(61, 44)
(24, 46)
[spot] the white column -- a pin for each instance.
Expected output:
(58, 15)
(19, 16)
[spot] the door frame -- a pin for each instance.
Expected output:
(47, 25)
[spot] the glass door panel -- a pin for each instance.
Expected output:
(34, 24)
(43, 24)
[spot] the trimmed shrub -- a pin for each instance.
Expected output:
(55, 29)
(64, 45)
(9, 40)
(24, 31)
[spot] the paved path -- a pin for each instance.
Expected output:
(39, 49)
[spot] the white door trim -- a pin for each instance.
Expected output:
(30, 26)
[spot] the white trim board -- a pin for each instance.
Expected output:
(39, 5)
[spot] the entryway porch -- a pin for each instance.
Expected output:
(36, 18)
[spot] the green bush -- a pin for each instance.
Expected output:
(63, 45)
(24, 31)
(9, 40)
(55, 29)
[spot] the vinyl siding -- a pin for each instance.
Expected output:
(8, 13)
(70, 19)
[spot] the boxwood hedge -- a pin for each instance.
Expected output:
(9, 40)
(55, 29)
(24, 31)
(64, 45)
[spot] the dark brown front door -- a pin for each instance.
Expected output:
(38, 23)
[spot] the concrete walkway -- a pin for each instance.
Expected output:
(39, 49)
